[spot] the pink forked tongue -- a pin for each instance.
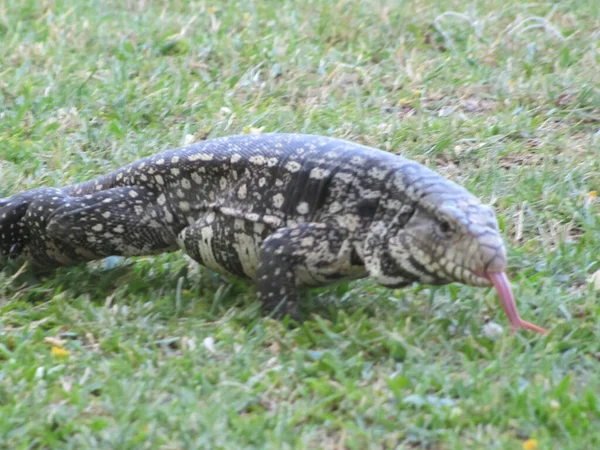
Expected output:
(500, 282)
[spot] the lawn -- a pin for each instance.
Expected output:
(156, 353)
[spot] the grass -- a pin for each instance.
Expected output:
(501, 96)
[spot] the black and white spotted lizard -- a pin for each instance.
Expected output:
(284, 210)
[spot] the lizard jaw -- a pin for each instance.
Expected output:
(477, 279)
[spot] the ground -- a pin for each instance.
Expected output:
(498, 95)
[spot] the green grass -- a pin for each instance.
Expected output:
(503, 97)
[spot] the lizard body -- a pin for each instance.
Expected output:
(284, 210)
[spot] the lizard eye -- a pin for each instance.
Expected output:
(444, 227)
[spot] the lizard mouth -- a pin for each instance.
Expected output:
(502, 285)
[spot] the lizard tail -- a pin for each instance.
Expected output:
(23, 216)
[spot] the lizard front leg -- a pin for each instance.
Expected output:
(310, 254)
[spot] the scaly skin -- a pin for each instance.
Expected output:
(286, 211)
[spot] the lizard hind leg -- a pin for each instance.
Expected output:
(122, 221)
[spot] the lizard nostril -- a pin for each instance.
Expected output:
(496, 264)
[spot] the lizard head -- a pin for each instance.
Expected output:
(434, 232)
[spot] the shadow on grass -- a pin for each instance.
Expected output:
(169, 282)
(174, 287)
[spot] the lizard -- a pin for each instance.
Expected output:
(286, 211)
